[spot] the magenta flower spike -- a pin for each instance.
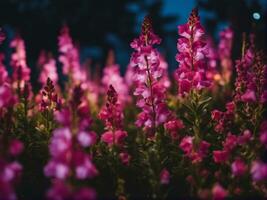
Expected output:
(149, 85)
(112, 116)
(192, 71)
(21, 71)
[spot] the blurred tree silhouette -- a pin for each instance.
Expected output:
(92, 22)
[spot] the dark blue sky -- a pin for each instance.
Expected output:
(181, 8)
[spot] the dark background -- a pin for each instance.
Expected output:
(100, 25)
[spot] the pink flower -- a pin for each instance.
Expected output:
(86, 139)
(21, 72)
(84, 168)
(15, 147)
(251, 77)
(249, 96)
(173, 127)
(125, 158)
(59, 190)
(61, 141)
(69, 57)
(112, 113)
(164, 177)
(187, 144)
(258, 171)
(7, 98)
(49, 70)
(230, 142)
(230, 106)
(63, 116)
(218, 192)
(216, 115)
(238, 167)
(85, 193)
(50, 100)
(57, 169)
(149, 81)
(203, 148)
(220, 156)
(245, 137)
(111, 76)
(116, 136)
(191, 73)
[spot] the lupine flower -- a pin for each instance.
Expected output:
(191, 73)
(224, 52)
(149, 88)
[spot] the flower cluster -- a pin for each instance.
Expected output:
(69, 159)
(49, 70)
(50, 99)
(21, 72)
(112, 116)
(108, 136)
(69, 57)
(251, 78)
(191, 73)
(10, 169)
(149, 89)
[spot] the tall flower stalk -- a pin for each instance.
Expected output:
(21, 71)
(149, 89)
(70, 161)
(114, 137)
(191, 73)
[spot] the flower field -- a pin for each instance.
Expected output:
(197, 132)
